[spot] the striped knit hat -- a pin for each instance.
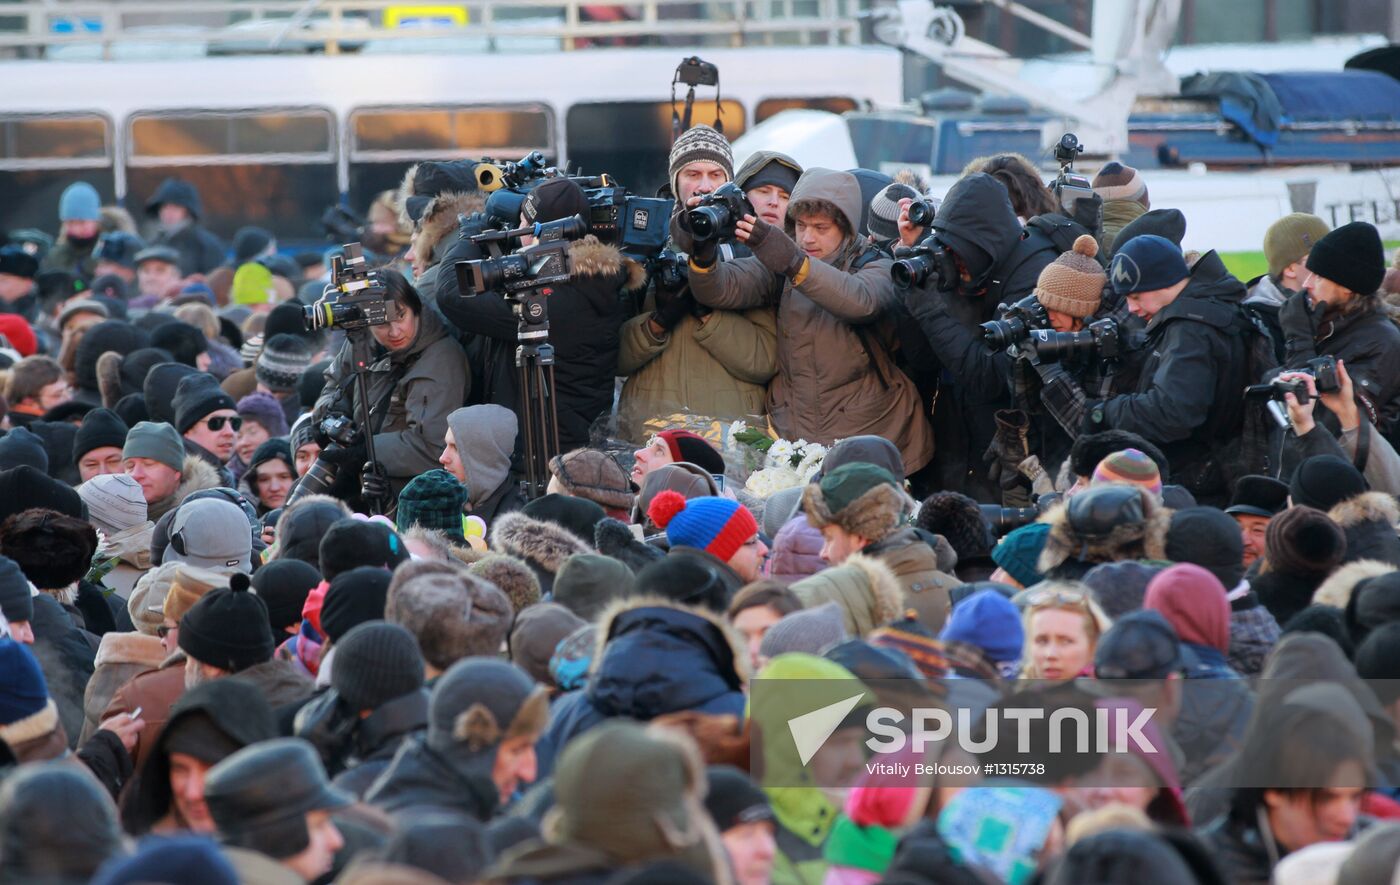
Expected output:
(282, 361)
(696, 144)
(1118, 182)
(884, 210)
(1073, 283)
(718, 526)
(1129, 466)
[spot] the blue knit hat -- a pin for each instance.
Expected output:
(178, 860)
(433, 500)
(989, 621)
(718, 526)
(79, 202)
(23, 691)
(1019, 551)
(1147, 263)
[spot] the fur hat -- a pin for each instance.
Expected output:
(593, 475)
(864, 587)
(52, 550)
(512, 576)
(959, 519)
(1105, 524)
(543, 545)
(453, 614)
(861, 498)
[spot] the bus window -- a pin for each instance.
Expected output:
(274, 168)
(384, 142)
(836, 104)
(632, 139)
(41, 154)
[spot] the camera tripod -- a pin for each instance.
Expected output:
(361, 355)
(534, 363)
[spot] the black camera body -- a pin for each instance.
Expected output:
(359, 296)
(1070, 187)
(1102, 340)
(915, 265)
(718, 213)
(340, 429)
(670, 270)
(636, 225)
(695, 71)
(1017, 321)
(1324, 372)
(545, 262)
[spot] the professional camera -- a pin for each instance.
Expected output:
(670, 270)
(1324, 372)
(492, 175)
(914, 265)
(1068, 186)
(695, 71)
(543, 263)
(354, 299)
(921, 213)
(1017, 321)
(1006, 519)
(320, 478)
(636, 225)
(718, 213)
(1102, 340)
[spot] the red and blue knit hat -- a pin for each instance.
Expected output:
(718, 526)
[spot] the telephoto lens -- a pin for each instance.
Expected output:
(921, 213)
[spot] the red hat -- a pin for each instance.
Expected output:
(19, 333)
(685, 445)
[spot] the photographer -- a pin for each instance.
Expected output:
(1379, 462)
(679, 355)
(1188, 398)
(996, 265)
(419, 375)
(585, 315)
(836, 376)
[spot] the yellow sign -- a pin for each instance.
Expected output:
(418, 16)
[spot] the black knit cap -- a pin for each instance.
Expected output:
(578, 516)
(1324, 481)
(24, 487)
(1139, 645)
(1258, 496)
(375, 663)
(182, 340)
(283, 586)
(117, 335)
(16, 602)
(1209, 538)
(228, 628)
(355, 597)
(132, 410)
(159, 390)
(734, 799)
(100, 427)
(350, 543)
(555, 199)
(1352, 256)
(197, 396)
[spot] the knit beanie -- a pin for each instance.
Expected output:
(1132, 467)
(265, 410)
(1116, 181)
(117, 335)
(718, 526)
(916, 642)
(1374, 602)
(16, 330)
(1303, 540)
(159, 442)
(696, 144)
(733, 799)
(1073, 284)
(989, 621)
(56, 435)
(16, 599)
(100, 428)
(354, 597)
(537, 632)
(588, 582)
(252, 284)
(1210, 538)
(249, 242)
(24, 487)
(20, 446)
(433, 500)
(577, 516)
(1352, 256)
(159, 388)
(1118, 587)
(196, 396)
(283, 360)
(1290, 238)
(685, 445)
(283, 585)
(350, 543)
(188, 586)
(23, 691)
(480, 702)
(114, 501)
(554, 200)
(685, 579)
(1020, 550)
(1324, 481)
(228, 628)
(376, 663)
(79, 202)
(812, 630)
(593, 475)
(181, 340)
(1193, 602)
(884, 210)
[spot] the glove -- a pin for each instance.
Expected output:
(775, 249)
(374, 485)
(1299, 323)
(671, 307)
(340, 456)
(698, 310)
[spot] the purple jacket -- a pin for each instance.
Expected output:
(796, 551)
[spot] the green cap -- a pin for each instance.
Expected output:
(849, 481)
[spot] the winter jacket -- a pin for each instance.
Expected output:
(1117, 214)
(200, 251)
(1382, 469)
(654, 657)
(1262, 304)
(836, 372)
(1284, 594)
(69, 257)
(420, 777)
(585, 319)
(279, 681)
(1245, 851)
(796, 551)
(153, 692)
(256, 868)
(378, 737)
(120, 658)
(1369, 520)
(542, 862)
(418, 387)
(196, 475)
(1189, 400)
(916, 567)
(65, 652)
(1253, 633)
(1215, 708)
(132, 548)
(1367, 340)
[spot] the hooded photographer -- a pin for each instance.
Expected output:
(585, 315)
(419, 375)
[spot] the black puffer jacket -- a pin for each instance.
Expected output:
(420, 777)
(379, 736)
(585, 319)
(1189, 399)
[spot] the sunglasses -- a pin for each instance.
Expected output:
(216, 423)
(1042, 598)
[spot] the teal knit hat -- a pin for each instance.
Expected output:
(433, 500)
(1018, 552)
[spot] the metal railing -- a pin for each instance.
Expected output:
(331, 26)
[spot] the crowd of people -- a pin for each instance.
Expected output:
(236, 648)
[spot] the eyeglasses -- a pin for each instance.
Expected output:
(216, 423)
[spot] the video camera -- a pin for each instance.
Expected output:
(1102, 340)
(354, 299)
(543, 263)
(492, 175)
(1017, 321)
(1323, 370)
(636, 225)
(718, 213)
(1069, 187)
(914, 265)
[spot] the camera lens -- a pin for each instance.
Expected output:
(910, 272)
(707, 221)
(316, 316)
(921, 213)
(1001, 334)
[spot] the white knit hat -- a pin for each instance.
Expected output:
(115, 502)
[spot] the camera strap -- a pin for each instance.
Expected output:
(380, 410)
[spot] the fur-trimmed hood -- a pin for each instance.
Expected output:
(130, 648)
(591, 257)
(542, 544)
(31, 728)
(1146, 540)
(1368, 507)
(438, 222)
(864, 587)
(196, 475)
(1368, 520)
(1336, 590)
(873, 516)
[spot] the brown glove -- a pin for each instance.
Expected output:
(775, 249)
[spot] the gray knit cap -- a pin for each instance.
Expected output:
(157, 441)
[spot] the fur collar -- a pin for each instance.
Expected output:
(592, 257)
(738, 650)
(544, 543)
(439, 220)
(197, 475)
(1368, 507)
(130, 648)
(859, 574)
(109, 378)
(31, 727)
(1336, 590)
(1147, 541)
(889, 598)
